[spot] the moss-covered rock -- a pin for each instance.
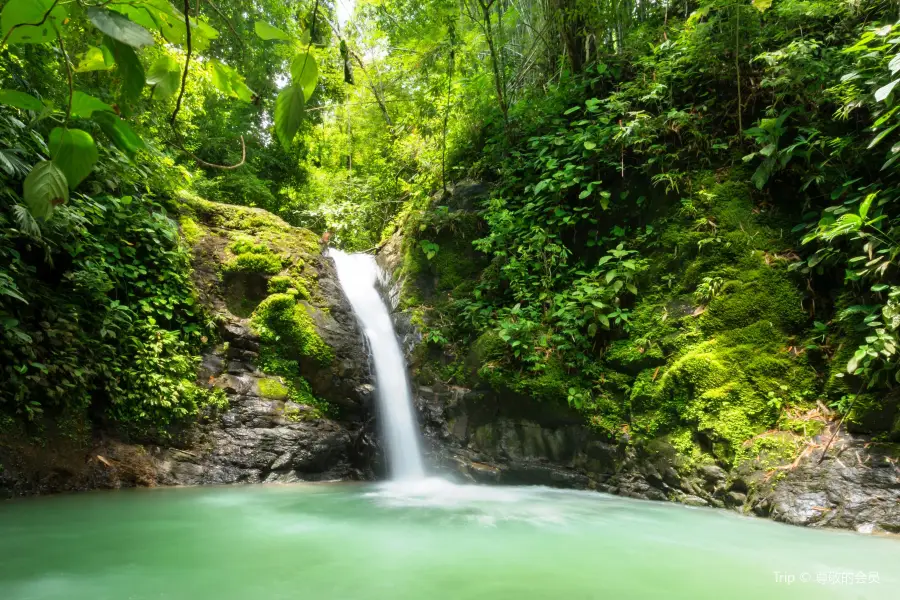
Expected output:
(271, 279)
(287, 325)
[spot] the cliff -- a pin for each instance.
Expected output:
(288, 361)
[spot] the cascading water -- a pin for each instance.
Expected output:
(358, 274)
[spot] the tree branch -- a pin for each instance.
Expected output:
(381, 102)
(187, 62)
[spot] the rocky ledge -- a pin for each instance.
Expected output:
(481, 436)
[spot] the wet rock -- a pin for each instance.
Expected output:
(690, 500)
(856, 485)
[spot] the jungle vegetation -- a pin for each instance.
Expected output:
(692, 227)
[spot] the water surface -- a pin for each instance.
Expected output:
(429, 540)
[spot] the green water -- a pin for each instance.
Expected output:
(434, 541)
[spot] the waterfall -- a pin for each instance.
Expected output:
(357, 274)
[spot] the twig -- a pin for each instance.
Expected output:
(187, 62)
(841, 422)
(62, 48)
(227, 22)
(173, 120)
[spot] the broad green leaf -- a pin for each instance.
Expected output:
(16, 13)
(130, 71)
(305, 74)
(20, 100)
(119, 132)
(268, 32)
(95, 59)
(165, 75)
(288, 114)
(84, 105)
(885, 90)
(865, 206)
(882, 135)
(119, 27)
(161, 16)
(894, 65)
(74, 152)
(589, 145)
(44, 189)
(230, 82)
(762, 5)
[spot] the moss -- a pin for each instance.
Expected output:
(728, 389)
(191, 230)
(286, 324)
(763, 294)
(488, 347)
(272, 388)
(280, 284)
(634, 355)
(252, 262)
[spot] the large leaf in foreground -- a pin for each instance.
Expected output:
(165, 76)
(95, 59)
(119, 27)
(17, 14)
(130, 70)
(84, 105)
(269, 32)
(20, 100)
(288, 114)
(74, 152)
(119, 132)
(230, 82)
(44, 189)
(305, 74)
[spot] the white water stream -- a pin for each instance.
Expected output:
(358, 275)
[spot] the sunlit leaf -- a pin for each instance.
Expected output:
(165, 77)
(268, 32)
(95, 59)
(865, 206)
(74, 152)
(44, 189)
(18, 14)
(230, 82)
(288, 114)
(762, 5)
(84, 105)
(20, 100)
(305, 74)
(885, 90)
(119, 132)
(119, 27)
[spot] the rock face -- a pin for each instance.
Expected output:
(483, 436)
(491, 436)
(265, 434)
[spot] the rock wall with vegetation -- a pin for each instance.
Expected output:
(712, 397)
(280, 366)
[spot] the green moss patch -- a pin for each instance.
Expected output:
(285, 324)
(272, 388)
